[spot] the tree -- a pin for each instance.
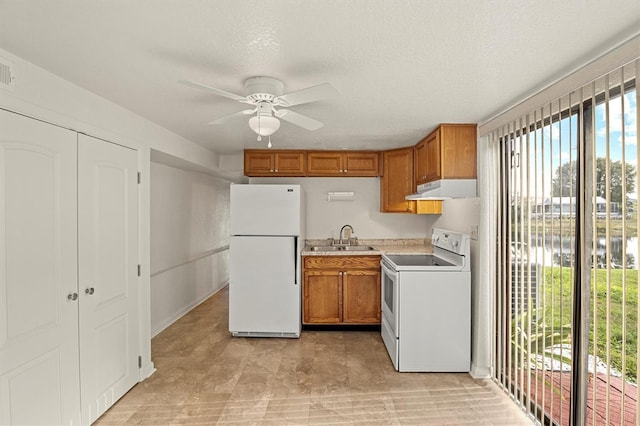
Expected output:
(564, 181)
(615, 178)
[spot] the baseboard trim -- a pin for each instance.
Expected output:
(147, 371)
(480, 372)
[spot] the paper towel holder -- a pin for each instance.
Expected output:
(341, 196)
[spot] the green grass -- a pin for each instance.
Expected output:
(558, 310)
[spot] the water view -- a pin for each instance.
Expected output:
(553, 250)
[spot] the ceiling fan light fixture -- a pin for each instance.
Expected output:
(265, 93)
(264, 125)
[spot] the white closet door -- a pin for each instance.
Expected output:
(108, 274)
(39, 377)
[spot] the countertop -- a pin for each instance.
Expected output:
(381, 246)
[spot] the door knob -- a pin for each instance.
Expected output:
(90, 290)
(72, 296)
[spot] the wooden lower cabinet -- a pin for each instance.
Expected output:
(322, 297)
(341, 290)
(361, 297)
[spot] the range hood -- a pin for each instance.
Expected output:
(445, 189)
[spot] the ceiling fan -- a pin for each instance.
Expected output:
(266, 94)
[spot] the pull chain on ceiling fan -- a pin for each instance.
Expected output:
(265, 93)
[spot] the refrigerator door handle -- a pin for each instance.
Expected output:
(295, 260)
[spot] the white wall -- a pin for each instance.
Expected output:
(459, 215)
(324, 218)
(189, 241)
(43, 95)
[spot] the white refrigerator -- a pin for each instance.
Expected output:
(267, 237)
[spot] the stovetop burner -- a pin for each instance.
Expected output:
(417, 260)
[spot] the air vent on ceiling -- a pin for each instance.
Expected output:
(7, 75)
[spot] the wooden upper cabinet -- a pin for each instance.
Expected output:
(290, 163)
(324, 163)
(434, 164)
(428, 206)
(420, 163)
(337, 163)
(262, 162)
(362, 164)
(458, 151)
(449, 152)
(258, 163)
(397, 181)
(274, 163)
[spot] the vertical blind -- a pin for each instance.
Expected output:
(566, 305)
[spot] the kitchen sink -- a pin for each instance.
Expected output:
(325, 248)
(342, 248)
(357, 248)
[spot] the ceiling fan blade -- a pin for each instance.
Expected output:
(299, 119)
(230, 117)
(310, 94)
(214, 90)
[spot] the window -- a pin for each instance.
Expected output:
(567, 275)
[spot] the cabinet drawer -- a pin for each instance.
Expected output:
(342, 262)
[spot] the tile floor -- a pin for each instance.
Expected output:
(204, 376)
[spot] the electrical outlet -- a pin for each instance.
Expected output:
(474, 232)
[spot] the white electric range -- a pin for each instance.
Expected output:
(426, 306)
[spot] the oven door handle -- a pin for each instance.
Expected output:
(386, 268)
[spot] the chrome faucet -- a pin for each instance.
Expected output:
(341, 241)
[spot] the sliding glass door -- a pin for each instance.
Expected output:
(566, 300)
(613, 329)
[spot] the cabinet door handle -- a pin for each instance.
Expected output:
(276, 170)
(341, 297)
(345, 170)
(72, 296)
(271, 170)
(90, 290)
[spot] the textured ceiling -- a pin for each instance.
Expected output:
(401, 67)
